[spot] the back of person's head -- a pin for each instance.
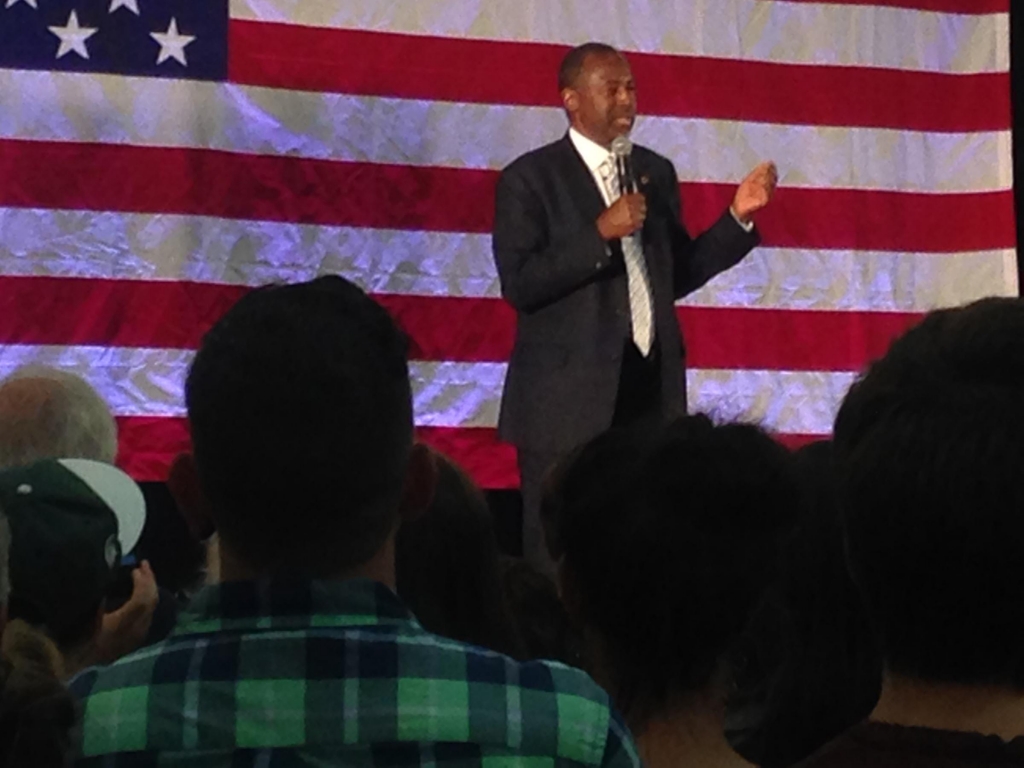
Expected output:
(448, 568)
(177, 557)
(808, 667)
(70, 520)
(930, 444)
(46, 413)
(5, 568)
(36, 711)
(668, 539)
(541, 621)
(300, 409)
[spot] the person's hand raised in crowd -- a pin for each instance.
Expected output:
(125, 629)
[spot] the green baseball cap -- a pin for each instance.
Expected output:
(71, 520)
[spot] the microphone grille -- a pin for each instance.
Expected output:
(622, 146)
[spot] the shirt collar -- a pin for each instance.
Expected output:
(292, 604)
(593, 154)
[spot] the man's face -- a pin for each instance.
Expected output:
(602, 104)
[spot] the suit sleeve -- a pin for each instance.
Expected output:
(697, 260)
(535, 267)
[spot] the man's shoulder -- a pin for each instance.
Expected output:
(645, 157)
(132, 671)
(480, 696)
(539, 159)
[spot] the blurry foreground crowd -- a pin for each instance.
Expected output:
(328, 591)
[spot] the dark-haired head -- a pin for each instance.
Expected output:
(598, 92)
(572, 64)
(668, 539)
(301, 416)
(930, 444)
(448, 566)
(540, 617)
(807, 668)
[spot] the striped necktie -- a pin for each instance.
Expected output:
(640, 302)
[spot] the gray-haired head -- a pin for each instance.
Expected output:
(49, 413)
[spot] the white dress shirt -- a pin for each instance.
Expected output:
(594, 155)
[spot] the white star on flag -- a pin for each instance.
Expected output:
(73, 37)
(172, 44)
(28, 2)
(131, 5)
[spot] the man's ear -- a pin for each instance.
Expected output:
(420, 482)
(183, 483)
(570, 100)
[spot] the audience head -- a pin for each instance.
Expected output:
(70, 521)
(47, 413)
(808, 667)
(177, 557)
(37, 713)
(541, 621)
(301, 417)
(668, 539)
(448, 567)
(5, 568)
(931, 448)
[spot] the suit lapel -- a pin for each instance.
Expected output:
(580, 181)
(642, 174)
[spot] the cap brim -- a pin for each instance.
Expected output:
(119, 492)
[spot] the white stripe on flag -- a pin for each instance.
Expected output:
(36, 242)
(793, 32)
(149, 382)
(48, 106)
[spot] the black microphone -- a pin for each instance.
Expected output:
(622, 148)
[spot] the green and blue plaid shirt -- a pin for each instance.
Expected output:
(330, 673)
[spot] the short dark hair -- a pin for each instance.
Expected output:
(448, 567)
(668, 540)
(301, 414)
(574, 60)
(930, 444)
(544, 627)
(808, 668)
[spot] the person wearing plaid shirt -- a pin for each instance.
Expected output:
(337, 672)
(300, 411)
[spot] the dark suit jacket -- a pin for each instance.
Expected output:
(569, 290)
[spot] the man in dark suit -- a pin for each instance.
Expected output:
(594, 274)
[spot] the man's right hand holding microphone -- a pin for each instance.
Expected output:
(623, 217)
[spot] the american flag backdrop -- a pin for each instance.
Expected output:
(158, 157)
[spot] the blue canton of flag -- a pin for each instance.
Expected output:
(160, 38)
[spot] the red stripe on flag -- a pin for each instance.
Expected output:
(794, 442)
(108, 177)
(789, 340)
(128, 313)
(114, 313)
(483, 330)
(490, 462)
(867, 220)
(497, 72)
(148, 446)
(965, 7)
(242, 186)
